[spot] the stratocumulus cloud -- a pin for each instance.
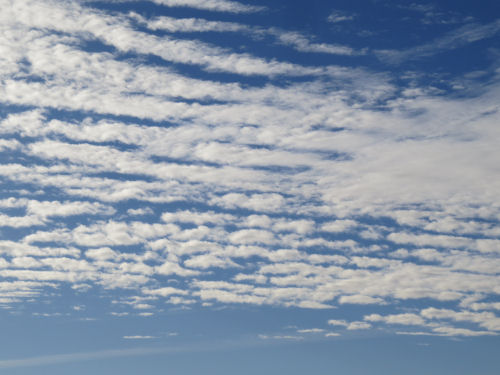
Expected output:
(149, 164)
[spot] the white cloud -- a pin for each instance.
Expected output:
(20, 221)
(116, 32)
(205, 261)
(251, 236)
(358, 325)
(181, 301)
(198, 218)
(119, 313)
(299, 226)
(332, 334)
(351, 326)
(403, 319)
(172, 24)
(311, 330)
(212, 5)
(9, 144)
(455, 39)
(140, 211)
(54, 208)
(340, 16)
(164, 292)
(339, 226)
(359, 299)
(265, 194)
(335, 322)
(258, 202)
(294, 39)
(451, 331)
(259, 279)
(437, 320)
(486, 320)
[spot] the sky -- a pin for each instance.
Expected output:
(254, 187)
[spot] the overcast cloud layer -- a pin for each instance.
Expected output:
(145, 160)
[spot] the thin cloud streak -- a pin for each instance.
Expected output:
(57, 359)
(208, 5)
(294, 39)
(455, 39)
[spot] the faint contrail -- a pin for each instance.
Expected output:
(87, 356)
(74, 357)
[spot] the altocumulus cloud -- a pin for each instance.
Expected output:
(134, 167)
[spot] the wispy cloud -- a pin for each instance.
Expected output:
(455, 39)
(131, 352)
(340, 16)
(432, 14)
(294, 39)
(213, 5)
(77, 357)
(208, 5)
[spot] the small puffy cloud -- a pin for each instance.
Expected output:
(259, 279)
(339, 226)
(359, 299)
(9, 144)
(403, 319)
(252, 236)
(311, 330)
(352, 326)
(164, 292)
(484, 319)
(139, 211)
(172, 268)
(260, 221)
(453, 331)
(142, 306)
(119, 313)
(299, 226)
(180, 301)
(20, 221)
(198, 218)
(64, 209)
(340, 16)
(103, 253)
(26, 262)
(81, 287)
(335, 322)
(313, 305)
(205, 261)
(430, 240)
(332, 334)
(257, 202)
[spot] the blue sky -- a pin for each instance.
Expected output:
(250, 187)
